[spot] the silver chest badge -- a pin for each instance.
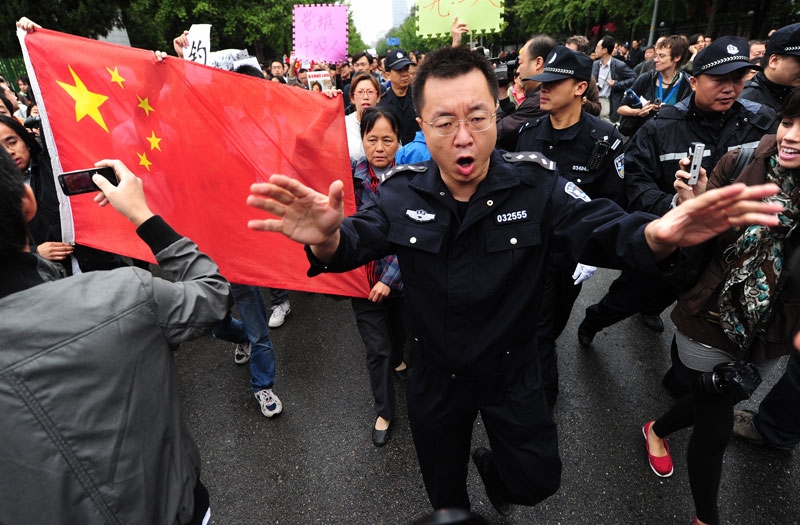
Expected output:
(420, 215)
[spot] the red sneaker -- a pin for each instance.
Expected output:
(662, 466)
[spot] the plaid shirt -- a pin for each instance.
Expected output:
(385, 270)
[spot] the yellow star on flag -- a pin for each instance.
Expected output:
(154, 141)
(143, 161)
(115, 76)
(86, 102)
(144, 103)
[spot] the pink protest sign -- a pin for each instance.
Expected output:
(320, 32)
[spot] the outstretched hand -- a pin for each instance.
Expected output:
(304, 215)
(710, 214)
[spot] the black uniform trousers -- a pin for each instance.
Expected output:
(630, 293)
(383, 332)
(559, 295)
(778, 419)
(442, 408)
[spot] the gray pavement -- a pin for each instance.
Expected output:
(315, 463)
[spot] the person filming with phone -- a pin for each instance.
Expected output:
(89, 391)
(742, 310)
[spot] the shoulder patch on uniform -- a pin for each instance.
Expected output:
(530, 157)
(619, 164)
(418, 168)
(575, 192)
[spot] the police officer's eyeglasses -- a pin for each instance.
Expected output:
(476, 122)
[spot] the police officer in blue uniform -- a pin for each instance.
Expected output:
(472, 230)
(588, 152)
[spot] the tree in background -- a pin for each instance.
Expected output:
(89, 18)
(264, 28)
(407, 33)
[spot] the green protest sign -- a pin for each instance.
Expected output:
(434, 17)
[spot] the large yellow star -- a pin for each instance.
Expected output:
(144, 103)
(115, 76)
(86, 102)
(143, 161)
(154, 141)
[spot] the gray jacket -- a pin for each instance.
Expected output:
(92, 427)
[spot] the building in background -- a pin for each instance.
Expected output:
(400, 9)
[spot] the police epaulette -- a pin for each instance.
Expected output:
(530, 156)
(418, 168)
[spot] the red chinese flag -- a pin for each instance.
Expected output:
(198, 137)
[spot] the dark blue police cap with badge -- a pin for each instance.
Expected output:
(785, 41)
(724, 55)
(561, 63)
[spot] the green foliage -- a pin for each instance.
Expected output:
(265, 29)
(356, 43)
(407, 33)
(89, 18)
(566, 17)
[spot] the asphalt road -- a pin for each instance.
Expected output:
(315, 463)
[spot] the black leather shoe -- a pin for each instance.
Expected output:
(585, 336)
(380, 437)
(481, 456)
(653, 322)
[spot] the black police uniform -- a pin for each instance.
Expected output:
(588, 153)
(652, 156)
(760, 89)
(403, 109)
(651, 160)
(473, 275)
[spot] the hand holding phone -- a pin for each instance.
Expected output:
(696, 150)
(127, 197)
(80, 181)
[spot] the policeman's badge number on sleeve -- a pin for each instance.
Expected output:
(512, 216)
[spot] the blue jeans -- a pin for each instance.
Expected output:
(253, 328)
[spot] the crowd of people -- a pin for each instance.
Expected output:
(484, 200)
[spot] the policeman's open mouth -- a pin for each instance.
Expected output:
(465, 162)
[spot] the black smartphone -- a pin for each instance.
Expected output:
(696, 150)
(80, 181)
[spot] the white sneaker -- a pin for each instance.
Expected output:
(279, 314)
(270, 404)
(241, 353)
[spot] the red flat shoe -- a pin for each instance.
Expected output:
(662, 466)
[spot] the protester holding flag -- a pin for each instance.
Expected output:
(99, 99)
